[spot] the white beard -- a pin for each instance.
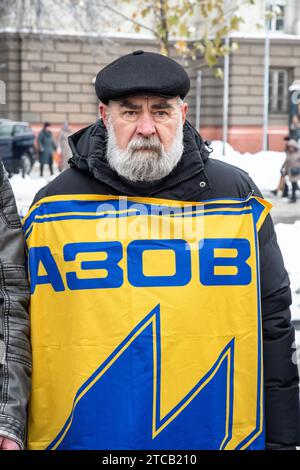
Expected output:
(144, 165)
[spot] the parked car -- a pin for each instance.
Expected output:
(17, 150)
(3, 120)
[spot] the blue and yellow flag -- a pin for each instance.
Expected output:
(145, 323)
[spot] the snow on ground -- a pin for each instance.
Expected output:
(26, 188)
(263, 167)
(288, 236)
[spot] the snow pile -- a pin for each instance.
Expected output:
(263, 167)
(25, 190)
(288, 236)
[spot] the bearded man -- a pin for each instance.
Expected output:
(147, 338)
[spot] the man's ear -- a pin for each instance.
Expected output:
(184, 109)
(103, 113)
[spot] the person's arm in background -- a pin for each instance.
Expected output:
(282, 411)
(15, 351)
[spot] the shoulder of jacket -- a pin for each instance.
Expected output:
(39, 195)
(229, 179)
(224, 173)
(220, 165)
(54, 187)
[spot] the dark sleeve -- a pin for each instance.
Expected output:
(282, 414)
(15, 351)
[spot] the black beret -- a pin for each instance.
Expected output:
(141, 73)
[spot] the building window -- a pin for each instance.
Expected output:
(276, 22)
(278, 90)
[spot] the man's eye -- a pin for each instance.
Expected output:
(161, 113)
(130, 113)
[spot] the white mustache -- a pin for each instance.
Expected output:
(152, 143)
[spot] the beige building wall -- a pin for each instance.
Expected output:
(246, 85)
(247, 78)
(10, 63)
(49, 78)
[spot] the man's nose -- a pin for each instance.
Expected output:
(145, 125)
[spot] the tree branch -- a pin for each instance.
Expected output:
(126, 17)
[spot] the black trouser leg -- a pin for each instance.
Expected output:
(294, 189)
(51, 169)
(285, 192)
(41, 168)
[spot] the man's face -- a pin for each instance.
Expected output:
(144, 136)
(145, 116)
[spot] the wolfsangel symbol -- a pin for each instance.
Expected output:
(208, 261)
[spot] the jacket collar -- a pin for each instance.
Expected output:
(89, 148)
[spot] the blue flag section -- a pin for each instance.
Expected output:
(103, 419)
(149, 337)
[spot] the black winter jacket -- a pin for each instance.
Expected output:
(196, 178)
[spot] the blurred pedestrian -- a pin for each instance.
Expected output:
(47, 146)
(66, 153)
(282, 184)
(296, 124)
(292, 166)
